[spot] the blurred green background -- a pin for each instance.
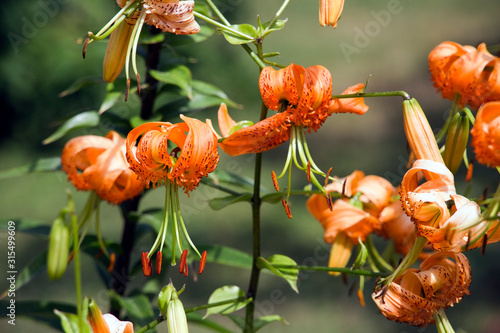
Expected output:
(41, 56)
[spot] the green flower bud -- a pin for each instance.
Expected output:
(456, 141)
(57, 257)
(176, 316)
(164, 298)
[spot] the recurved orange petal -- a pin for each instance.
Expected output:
(198, 157)
(225, 121)
(264, 135)
(486, 134)
(281, 88)
(350, 105)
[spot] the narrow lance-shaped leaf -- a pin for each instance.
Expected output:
(82, 120)
(289, 274)
(248, 34)
(179, 76)
(48, 164)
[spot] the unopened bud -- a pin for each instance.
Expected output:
(57, 256)
(116, 52)
(330, 11)
(164, 298)
(456, 142)
(176, 316)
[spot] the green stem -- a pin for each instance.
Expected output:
(217, 12)
(275, 18)
(361, 272)
(442, 323)
(256, 203)
(400, 93)
(379, 262)
(222, 26)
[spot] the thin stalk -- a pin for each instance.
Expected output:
(217, 12)
(256, 203)
(333, 269)
(275, 18)
(222, 26)
(400, 93)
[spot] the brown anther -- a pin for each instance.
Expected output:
(327, 175)
(146, 264)
(71, 255)
(112, 259)
(203, 261)
(159, 256)
(485, 242)
(470, 169)
(275, 181)
(138, 78)
(127, 89)
(287, 208)
(308, 172)
(329, 201)
(183, 263)
(85, 44)
(343, 188)
(99, 254)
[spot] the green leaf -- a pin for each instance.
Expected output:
(277, 25)
(227, 256)
(137, 120)
(362, 255)
(222, 177)
(259, 322)
(219, 203)
(79, 84)
(179, 76)
(138, 308)
(289, 274)
(207, 89)
(82, 120)
(112, 96)
(48, 164)
(70, 323)
(272, 198)
(224, 294)
(245, 29)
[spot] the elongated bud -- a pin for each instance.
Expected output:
(58, 252)
(419, 133)
(456, 142)
(164, 298)
(176, 316)
(330, 11)
(116, 52)
(340, 252)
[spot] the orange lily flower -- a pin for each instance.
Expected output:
(193, 157)
(449, 221)
(153, 163)
(417, 296)
(107, 323)
(330, 11)
(99, 163)
(345, 224)
(472, 73)
(398, 227)
(486, 134)
(302, 98)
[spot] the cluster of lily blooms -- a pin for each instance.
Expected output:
(179, 155)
